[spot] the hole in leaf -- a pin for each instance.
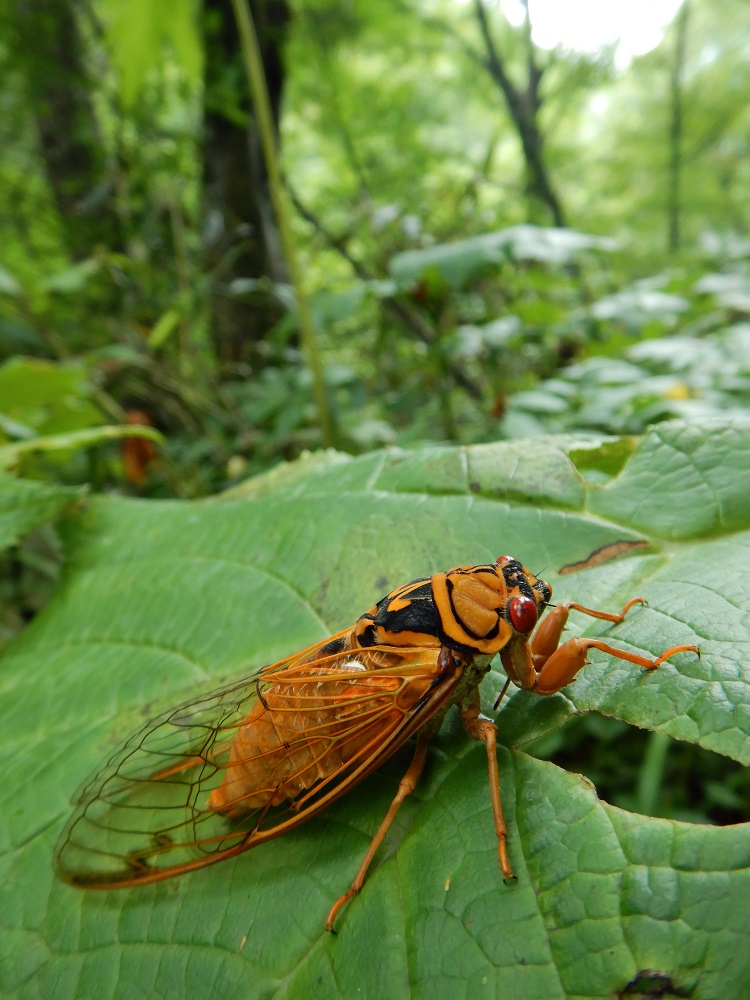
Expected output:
(649, 985)
(649, 773)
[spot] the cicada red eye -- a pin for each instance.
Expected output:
(523, 613)
(502, 560)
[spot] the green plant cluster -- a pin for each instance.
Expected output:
(444, 305)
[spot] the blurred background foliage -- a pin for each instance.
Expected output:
(496, 239)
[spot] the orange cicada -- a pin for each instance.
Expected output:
(229, 770)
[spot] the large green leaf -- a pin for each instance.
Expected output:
(164, 598)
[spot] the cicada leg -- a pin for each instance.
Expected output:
(448, 660)
(483, 729)
(406, 786)
(555, 665)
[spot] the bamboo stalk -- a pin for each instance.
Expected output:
(256, 78)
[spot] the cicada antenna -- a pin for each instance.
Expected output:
(501, 695)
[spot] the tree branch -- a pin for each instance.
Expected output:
(523, 111)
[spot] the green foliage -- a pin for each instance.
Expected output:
(25, 505)
(48, 420)
(46, 432)
(435, 152)
(29, 554)
(435, 302)
(12, 455)
(458, 262)
(624, 156)
(698, 373)
(442, 315)
(39, 397)
(136, 33)
(161, 599)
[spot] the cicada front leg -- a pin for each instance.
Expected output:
(556, 665)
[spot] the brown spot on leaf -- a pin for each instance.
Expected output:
(603, 555)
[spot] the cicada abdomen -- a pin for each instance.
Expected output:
(308, 725)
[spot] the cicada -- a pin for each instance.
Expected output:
(229, 770)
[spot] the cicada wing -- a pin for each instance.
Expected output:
(216, 775)
(145, 811)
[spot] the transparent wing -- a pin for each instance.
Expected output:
(229, 770)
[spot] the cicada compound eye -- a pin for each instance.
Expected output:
(502, 560)
(523, 614)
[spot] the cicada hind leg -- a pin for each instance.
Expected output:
(479, 728)
(406, 786)
(448, 663)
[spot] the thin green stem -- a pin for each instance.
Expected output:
(256, 78)
(651, 778)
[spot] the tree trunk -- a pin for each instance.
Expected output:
(51, 55)
(242, 245)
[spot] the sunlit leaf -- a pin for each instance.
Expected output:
(161, 599)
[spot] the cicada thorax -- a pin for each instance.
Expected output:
(472, 609)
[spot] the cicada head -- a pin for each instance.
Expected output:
(528, 596)
(481, 608)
